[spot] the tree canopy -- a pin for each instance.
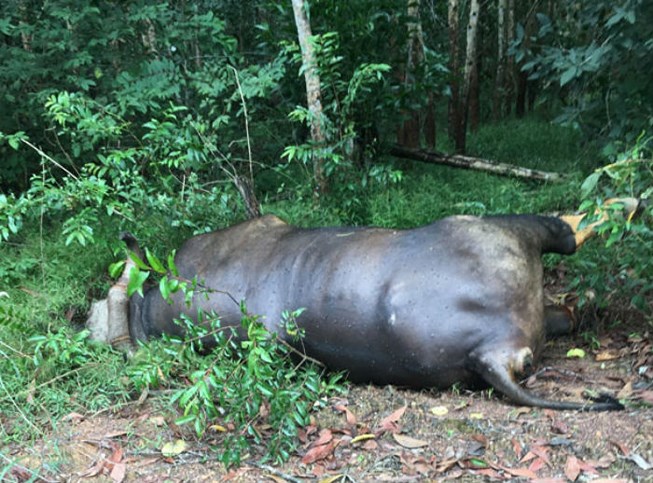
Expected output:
(141, 107)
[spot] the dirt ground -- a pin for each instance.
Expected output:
(390, 434)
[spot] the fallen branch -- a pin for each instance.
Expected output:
(469, 162)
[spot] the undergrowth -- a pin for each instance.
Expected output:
(256, 392)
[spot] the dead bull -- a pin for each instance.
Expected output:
(459, 300)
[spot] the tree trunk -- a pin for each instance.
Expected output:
(246, 190)
(522, 76)
(470, 65)
(474, 96)
(313, 91)
(522, 85)
(429, 123)
(409, 131)
(454, 67)
(510, 60)
(469, 162)
(497, 100)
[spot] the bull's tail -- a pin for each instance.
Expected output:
(631, 207)
(500, 374)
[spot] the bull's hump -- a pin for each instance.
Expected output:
(270, 221)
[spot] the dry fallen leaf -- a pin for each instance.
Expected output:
(363, 437)
(158, 421)
(439, 410)
(74, 417)
(118, 472)
(391, 423)
(116, 456)
(94, 470)
(645, 396)
(572, 468)
(622, 447)
(541, 452)
(607, 355)
(332, 479)
(536, 465)
(408, 442)
(351, 419)
(114, 434)
(521, 472)
(319, 452)
(323, 438)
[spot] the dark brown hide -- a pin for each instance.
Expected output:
(459, 300)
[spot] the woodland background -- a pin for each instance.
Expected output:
(169, 119)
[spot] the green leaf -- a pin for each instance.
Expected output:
(175, 448)
(115, 269)
(590, 183)
(575, 353)
(154, 262)
(137, 260)
(136, 281)
(171, 264)
(568, 75)
(164, 288)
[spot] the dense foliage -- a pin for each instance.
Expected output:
(174, 118)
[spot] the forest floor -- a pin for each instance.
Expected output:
(391, 434)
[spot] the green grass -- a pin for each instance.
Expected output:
(533, 144)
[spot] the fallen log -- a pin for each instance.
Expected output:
(469, 162)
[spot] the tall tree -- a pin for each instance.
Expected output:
(409, 131)
(525, 87)
(497, 98)
(474, 100)
(470, 67)
(454, 66)
(509, 81)
(313, 89)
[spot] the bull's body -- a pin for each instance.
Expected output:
(459, 300)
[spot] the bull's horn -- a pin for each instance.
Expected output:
(631, 207)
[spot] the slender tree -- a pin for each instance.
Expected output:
(409, 132)
(313, 89)
(454, 66)
(509, 80)
(525, 87)
(470, 66)
(497, 98)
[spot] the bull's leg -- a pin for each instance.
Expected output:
(118, 310)
(109, 319)
(558, 321)
(581, 235)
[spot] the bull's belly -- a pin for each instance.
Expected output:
(383, 361)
